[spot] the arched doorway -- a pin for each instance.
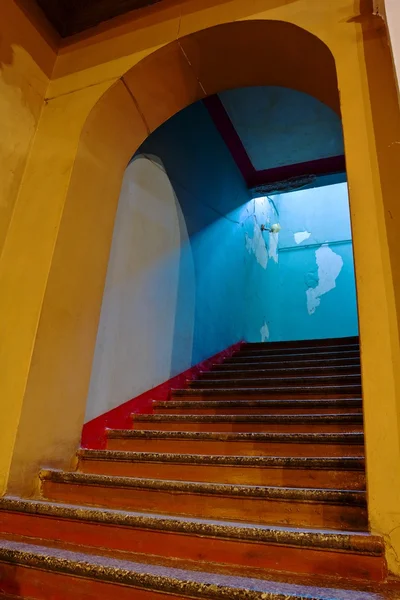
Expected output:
(225, 56)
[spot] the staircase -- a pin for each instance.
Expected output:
(248, 484)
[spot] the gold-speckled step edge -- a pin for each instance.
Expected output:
(346, 541)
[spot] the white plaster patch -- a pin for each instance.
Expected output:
(329, 266)
(300, 236)
(273, 246)
(257, 246)
(264, 332)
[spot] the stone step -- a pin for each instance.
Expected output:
(41, 572)
(276, 381)
(267, 407)
(293, 356)
(318, 343)
(220, 543)
(249, 363)
(251, 423)
(267, 350)
(298, 507)
(319, 472)
(246, 444)
(287, 372)
(261, 393)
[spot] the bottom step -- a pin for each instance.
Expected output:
(42, 572)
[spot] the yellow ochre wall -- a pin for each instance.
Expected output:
(54, 259)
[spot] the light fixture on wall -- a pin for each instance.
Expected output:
(275, 228)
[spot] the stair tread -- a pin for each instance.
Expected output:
(355, 541)
(264, 390)
(179, 581)
(300, 350)
(350, 376)
(357, 497)
(342, 437)
(300, 403)
(345, 463)
(274, 369)
(337, 341)
(248, 361)
(315, 418)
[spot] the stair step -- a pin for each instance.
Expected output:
(292, 349)
(289, 372)
(246, 444)
(287, 391)
(327, 357)
(341, 509)
(333, 553)
(319, 472)
(249, 423)
(268, 381)
(300, 406)
(341, 341)
(44, 572)
(249, 363)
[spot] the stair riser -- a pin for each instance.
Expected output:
(257, 411)
(235, 448)
(274, 382)
(238, 373)
(351, 349)
(276, 394)
(338, 358)
(203, 549)
(37, 584)
(250, 427)
(252, 510)
(276, 476)
(335, 342)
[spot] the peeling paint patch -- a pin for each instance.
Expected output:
(329, 266)
(300, 236)
(257, 246)
(264, 332)
(273, 246)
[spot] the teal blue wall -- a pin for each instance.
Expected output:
(251, 285)
(324, 214)
(213, 198)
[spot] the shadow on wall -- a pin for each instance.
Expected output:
(147, 317)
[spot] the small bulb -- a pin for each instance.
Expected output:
(275, 228)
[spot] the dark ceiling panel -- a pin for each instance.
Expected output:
(74, 16)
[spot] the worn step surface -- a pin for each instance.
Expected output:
(252, 474)
(270, 391)
(343, 473)
(341, 509)
(339, 357)
(208, 541)
(249, 423)
(42, 572)
(267, 407)
(273, 381)
(268, 371)
(246, 444)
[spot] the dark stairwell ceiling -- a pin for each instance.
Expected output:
(74, 16)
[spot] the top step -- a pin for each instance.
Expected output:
(326, 351)
(337, 342)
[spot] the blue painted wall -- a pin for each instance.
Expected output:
(250, 284)
(319, 219)
(213, 200)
